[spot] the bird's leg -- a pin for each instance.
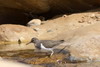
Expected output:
(52, 52)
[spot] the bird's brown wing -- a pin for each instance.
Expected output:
(51, 43)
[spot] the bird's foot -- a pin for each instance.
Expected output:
(48, 55)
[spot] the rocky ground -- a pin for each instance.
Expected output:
(80, 32)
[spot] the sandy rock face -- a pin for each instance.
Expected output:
(80, 31)
(6, 63)
(10, 33)
(15, 37)
(51, 29)
(84, 43)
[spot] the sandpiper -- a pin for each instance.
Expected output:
(43, 44)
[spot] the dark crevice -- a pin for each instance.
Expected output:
(15, 16)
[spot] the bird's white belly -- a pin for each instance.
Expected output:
(45, 49)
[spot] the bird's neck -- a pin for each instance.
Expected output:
(37, 43)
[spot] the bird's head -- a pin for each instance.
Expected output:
(33, 40)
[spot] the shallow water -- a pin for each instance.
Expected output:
(30, 57)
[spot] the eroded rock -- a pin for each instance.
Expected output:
(11, 32)
(34, 22)
(82, 39)
(15, 37)
(54, 27)
(84, 43)
(6, 63)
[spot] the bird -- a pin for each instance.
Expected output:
(46, 45)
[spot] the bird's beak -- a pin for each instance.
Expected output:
(28, 43)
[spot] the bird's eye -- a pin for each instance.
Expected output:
(33, 40)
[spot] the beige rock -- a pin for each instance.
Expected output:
(15, 37)
(13, 33)
(34, 22)
(82, 39)
(6, 63)
(84, 43)
(65, 24)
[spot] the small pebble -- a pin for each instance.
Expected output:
(36, 29)
(49, 30)
(34, 22)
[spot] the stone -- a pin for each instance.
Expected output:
(6, 63)
(64, 24)
(36, 29)
(82, 39)
(13, 33)
(84, 43)
(14, 37)
(34, 22)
